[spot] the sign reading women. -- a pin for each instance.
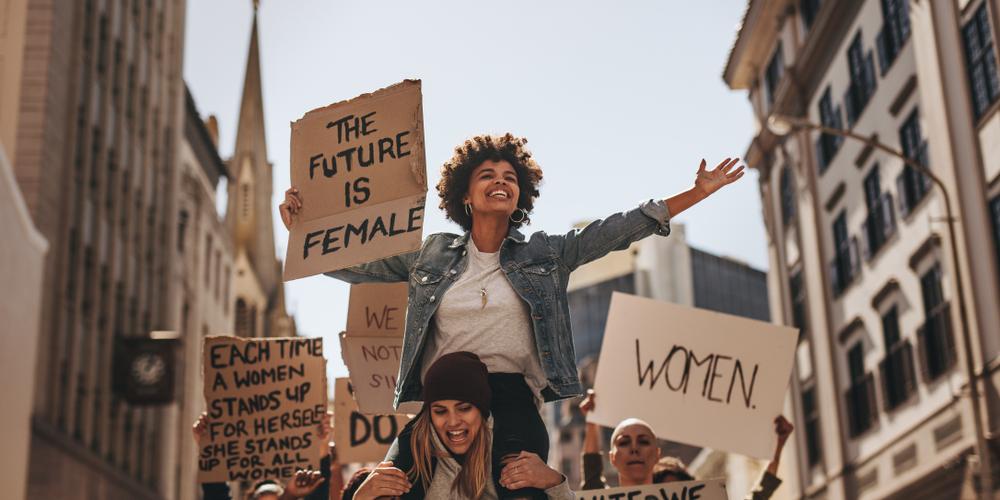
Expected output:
(265, 400)
(712, 489)
(360, 170)
(697, 377)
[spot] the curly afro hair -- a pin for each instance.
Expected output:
(455, 174)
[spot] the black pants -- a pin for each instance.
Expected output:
(517, 427)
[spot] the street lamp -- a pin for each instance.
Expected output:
(781, 126)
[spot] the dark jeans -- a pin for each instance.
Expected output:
(517, 427)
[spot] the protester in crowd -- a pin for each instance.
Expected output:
(494, 292)
(632, 448)
(305, 484)
(451, 443)
(336, 481)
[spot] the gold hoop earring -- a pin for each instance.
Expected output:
(524, 216)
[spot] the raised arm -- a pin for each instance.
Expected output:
(769, 480)
(620, 230)
(591, 460)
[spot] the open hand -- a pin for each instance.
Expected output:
(710, 181)
(291, 206)
(527, 470)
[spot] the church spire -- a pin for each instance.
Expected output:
(250, 130)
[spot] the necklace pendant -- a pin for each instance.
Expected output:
(482, 295)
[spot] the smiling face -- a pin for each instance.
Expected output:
(634, 454)
(493, 189)
(457, 423)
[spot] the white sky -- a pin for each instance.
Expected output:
(619, 101)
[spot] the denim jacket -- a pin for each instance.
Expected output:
(538, 268)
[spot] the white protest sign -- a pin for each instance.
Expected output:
(373, 363)
(696, 376)
(361, 173)
(265, 399)
(361, 438)
(712, 489)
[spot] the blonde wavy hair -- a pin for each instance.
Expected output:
(471, 480)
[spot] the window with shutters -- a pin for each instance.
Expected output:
(810, 417)
(981, 61)
(860, 395)
(912, 185)
(797, 290)
(827, 145)
(937, 344)
(787, 187)
(809, 9)
(242, 321)
(896, 368)
(861, 68)
(894, 33)
(772, 75)
(846, 264)
(880, 223)
(995, 222)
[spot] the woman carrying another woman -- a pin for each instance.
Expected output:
(451, 443)
(501, 295)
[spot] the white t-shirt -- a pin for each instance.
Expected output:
(499, 331)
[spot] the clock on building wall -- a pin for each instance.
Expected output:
(144, 370)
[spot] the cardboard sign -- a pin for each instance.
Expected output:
(361, 438)
(697, 377)
(360, 170)
(265, 400)
(373, 363)
(377, 309)
(712, 489)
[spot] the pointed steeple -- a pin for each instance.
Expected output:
(249, 208)
(250, 131)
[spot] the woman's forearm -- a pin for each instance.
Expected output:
(684, 200)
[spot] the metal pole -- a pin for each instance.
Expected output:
(982, 450)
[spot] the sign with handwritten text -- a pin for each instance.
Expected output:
(361, 438)
(377, 309)
(266, 399)
(712, 489)
(696, 376)
(360, 169)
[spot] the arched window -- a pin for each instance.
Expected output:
(242, 327)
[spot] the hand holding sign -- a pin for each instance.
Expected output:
(716, 380)
(359, 181)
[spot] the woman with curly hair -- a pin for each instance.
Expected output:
(501, 295)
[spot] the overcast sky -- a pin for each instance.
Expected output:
(619, 102)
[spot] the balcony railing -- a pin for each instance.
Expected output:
(846, 265)
(879, 225)
(896, 370)
(936, 343)
(861, 405)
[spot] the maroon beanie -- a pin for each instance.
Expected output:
(460, 376)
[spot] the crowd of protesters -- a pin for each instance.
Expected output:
(488, 341)
(452, 449)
